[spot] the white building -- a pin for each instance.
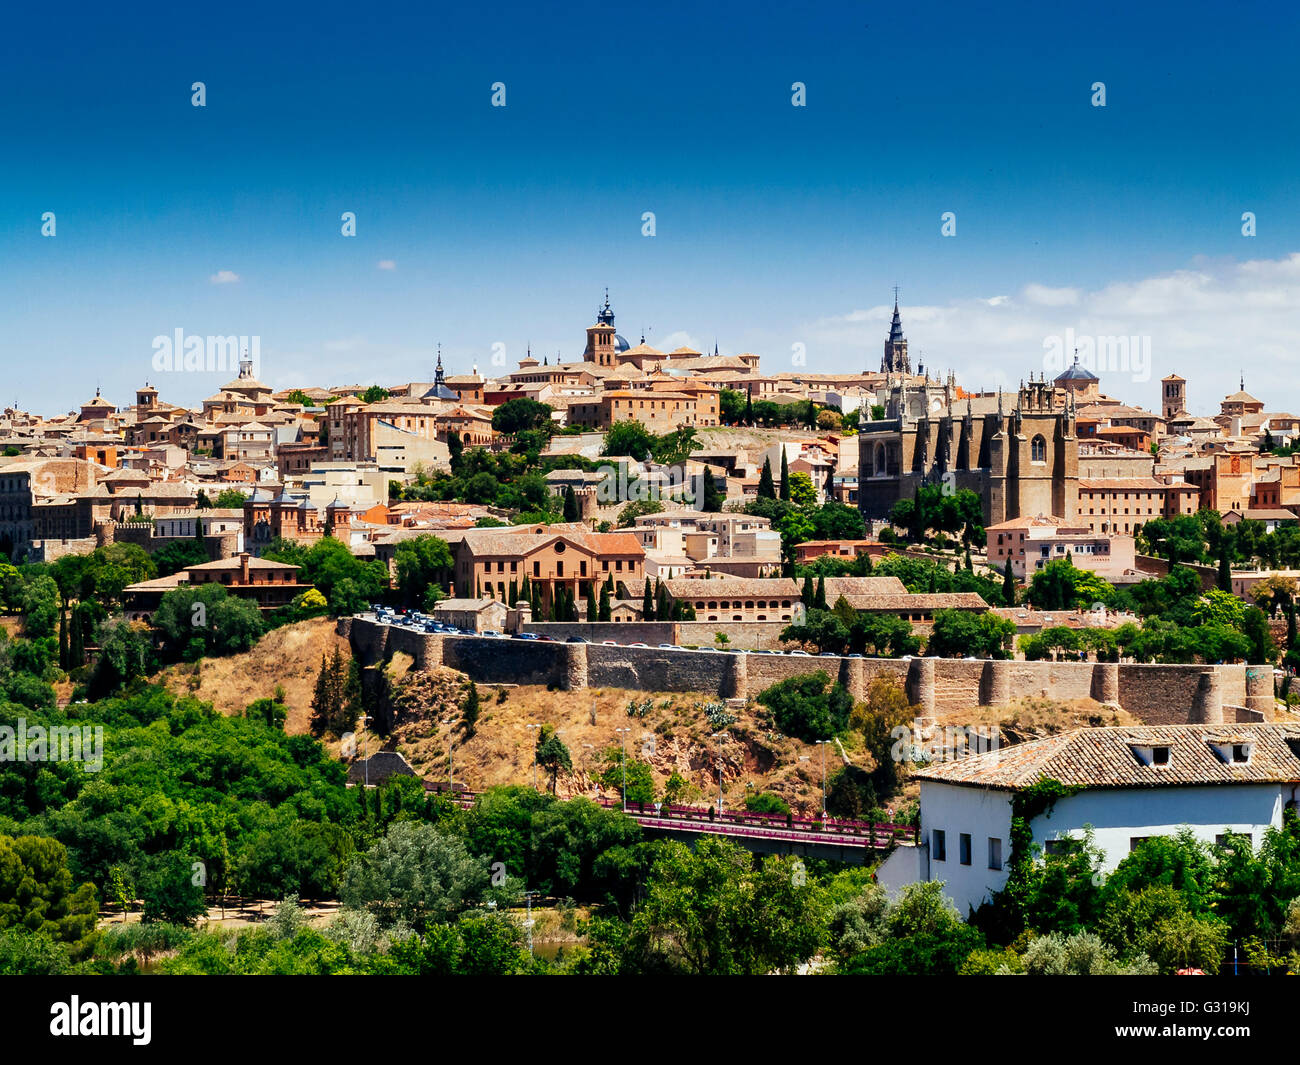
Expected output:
(1135, 783)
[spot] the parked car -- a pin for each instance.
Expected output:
(609, 643)
(525, 636)
(577, 639)
(638, 645)
(492, 633)
(668, 647)
(805, 654)
(548, 639)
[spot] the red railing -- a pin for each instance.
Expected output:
(879, 834)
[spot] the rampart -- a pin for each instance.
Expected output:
(1155, 694)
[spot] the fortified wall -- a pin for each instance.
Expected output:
(1155, 694)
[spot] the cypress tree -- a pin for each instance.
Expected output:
(77, 650)
(1225, 573)
(819, 601)
(785, 476)
(320, 700)
(766, 489)
(647, 603)
(469, 714)
(63, 638)
(1009, 585)
(713, 498)
(749, 407)
(514, 594)
(592, 609)
(571, 512)
(807, 595)
(663, 610)
(604, 612)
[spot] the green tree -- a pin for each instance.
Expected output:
(37, 893)
(808, 707)
(551, 753)
(707, 912)
(415, 873)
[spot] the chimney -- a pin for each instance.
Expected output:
(243, 568)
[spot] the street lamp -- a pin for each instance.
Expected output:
(718, 736)
(623, 741)
(534, 758)
(528, 923)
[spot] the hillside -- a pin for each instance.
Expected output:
(288, 656)
(671, 734)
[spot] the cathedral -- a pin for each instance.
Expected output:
(1019, 454)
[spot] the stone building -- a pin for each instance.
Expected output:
(1024, 460)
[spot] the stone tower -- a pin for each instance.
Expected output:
(601, 338)
(1173, 396)
(896, 359)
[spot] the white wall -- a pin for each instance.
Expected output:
(983, 813)
(1118, 815)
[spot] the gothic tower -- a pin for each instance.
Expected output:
(896, 359)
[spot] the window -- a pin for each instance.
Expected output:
(1038, 449)
(963, 848)
(995, 853)
(1159, 755)
(938, 846)
(1135, 842)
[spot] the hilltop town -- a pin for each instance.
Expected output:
(878, 620)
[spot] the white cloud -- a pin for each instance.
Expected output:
(1208, 322)
(224, 277)
(680, 339)
(1043, 296)
(386, 264)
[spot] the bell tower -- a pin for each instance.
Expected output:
(1173, 396)
(601, 337)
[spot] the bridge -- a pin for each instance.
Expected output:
(842, 840)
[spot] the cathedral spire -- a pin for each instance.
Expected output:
(437, 370)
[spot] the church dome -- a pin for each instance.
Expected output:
(620, 342)
(1077, 373)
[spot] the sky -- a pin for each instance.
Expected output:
(778, 229)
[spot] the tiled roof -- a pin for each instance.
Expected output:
(836, 586)
(696, 588)
(1104, 758)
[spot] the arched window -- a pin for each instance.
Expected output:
(881, 466)
(1038, 449)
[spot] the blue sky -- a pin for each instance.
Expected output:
(776, 225)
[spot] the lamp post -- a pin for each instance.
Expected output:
(718, 736)
(623, 741)
(528, 922)
(534, 757)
